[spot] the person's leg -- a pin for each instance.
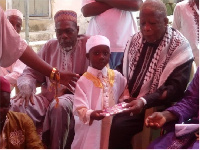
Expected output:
(115, 59)
(57, 122)
(36, 112)
(123, 128)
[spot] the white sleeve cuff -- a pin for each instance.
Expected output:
(88, 113)
(143, 100)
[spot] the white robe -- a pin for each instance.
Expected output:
(12, 72)
(88, 96)
(184, 21)
(115, 24)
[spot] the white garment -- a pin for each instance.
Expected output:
(12, 72)
(183, 129)
(90, 98)
(117, 25)
(11, 45)
(184, 21)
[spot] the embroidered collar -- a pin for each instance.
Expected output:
(92, 74)
(96, 72)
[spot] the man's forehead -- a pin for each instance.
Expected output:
(150, 11)
(64, 24)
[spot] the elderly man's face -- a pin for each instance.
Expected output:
(16, 22)
(152, 24)
(66, 32)
(4, 105)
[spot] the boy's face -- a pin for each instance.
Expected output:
(99, 56)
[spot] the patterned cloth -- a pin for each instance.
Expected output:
(20, 133)
(172, 51)
(68, 15)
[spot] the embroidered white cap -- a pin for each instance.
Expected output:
(95, 41)
(14, 12)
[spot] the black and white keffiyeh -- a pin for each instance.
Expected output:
(173, 51)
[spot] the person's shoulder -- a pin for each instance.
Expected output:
(52, 41)
(178, 34)
(17, 114)
(117, 73)
(182, 4)
(83, 38)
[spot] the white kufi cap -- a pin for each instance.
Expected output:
(95, 41)
(13, 12)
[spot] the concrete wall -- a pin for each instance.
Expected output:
(3, 4)
(74, 5)
(47, 23)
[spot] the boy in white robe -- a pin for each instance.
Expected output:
(97, 89)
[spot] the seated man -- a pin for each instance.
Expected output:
(157, 63)
(17, 129)
(66, 53)
(12, 72)
(185, 135)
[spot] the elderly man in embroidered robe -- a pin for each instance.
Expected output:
(12, 72)
(18, 49)
(17, 130)
(157, 64)
(66, 53)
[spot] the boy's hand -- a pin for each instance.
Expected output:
(96, 115)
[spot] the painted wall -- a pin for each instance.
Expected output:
(74, 5)
(3, 4)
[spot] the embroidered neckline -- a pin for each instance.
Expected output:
(196, 18)
(97, 82)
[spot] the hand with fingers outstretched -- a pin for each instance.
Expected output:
(158, 119)
(69, 80)
(24, 96)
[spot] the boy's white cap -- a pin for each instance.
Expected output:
(14, 12)
(95, 41)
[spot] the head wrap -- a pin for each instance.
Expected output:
(95, 41)
(4, 85)
(14, 12)
(68, 15)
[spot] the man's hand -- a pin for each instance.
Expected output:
(156, 120)
(96, 115)
(69, 80)
(135, 106)
(24, 96)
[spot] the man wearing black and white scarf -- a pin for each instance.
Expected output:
(157, 63)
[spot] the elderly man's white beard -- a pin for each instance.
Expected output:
(67, 49)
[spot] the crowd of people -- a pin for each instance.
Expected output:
(82, 76)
